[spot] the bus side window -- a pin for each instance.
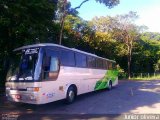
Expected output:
(91, 62)
(104, 65)
(81, 60)
(110, 66)
(114, 66)
(67, 58)
(97, 63)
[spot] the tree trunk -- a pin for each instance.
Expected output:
(129, 61)
(62, 22)
(61, 32)
(63, 18)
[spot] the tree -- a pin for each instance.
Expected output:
(77, 33)
(64, 9)
(23, 22)
(107, 3)
(146, 55)
(103, 24)
(125, 31)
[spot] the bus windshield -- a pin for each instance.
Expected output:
(23, 66)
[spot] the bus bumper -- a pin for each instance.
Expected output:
(31, 98)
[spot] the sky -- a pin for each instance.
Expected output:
(147, 10)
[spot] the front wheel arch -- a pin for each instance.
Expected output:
(71, 93)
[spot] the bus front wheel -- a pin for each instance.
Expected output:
(71, 95)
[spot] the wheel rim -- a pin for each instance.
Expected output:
(71, 95)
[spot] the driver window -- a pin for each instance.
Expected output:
(46, 63)
(51, 66)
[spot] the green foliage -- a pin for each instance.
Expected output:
(109, 3)
(26, 20)
(151, 36)
(98, 36)
(23, 22)
(146, 56)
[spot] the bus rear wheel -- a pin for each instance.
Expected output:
(110, 85)
(71, 95)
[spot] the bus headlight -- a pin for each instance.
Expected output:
(33, 89)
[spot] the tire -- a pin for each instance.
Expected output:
(71, 95)
(110, 85)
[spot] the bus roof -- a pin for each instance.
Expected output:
(60, 46)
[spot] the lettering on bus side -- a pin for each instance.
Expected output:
(49, 95)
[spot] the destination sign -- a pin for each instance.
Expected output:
(31, 51)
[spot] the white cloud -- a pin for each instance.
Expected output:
(151, 18)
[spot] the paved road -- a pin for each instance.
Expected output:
(128, 97)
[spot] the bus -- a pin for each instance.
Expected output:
(43, 73)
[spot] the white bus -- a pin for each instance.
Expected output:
(43, 73)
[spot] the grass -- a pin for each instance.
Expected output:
(157, 77)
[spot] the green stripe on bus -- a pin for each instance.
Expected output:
(110, 75)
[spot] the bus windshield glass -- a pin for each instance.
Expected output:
(23, 66)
